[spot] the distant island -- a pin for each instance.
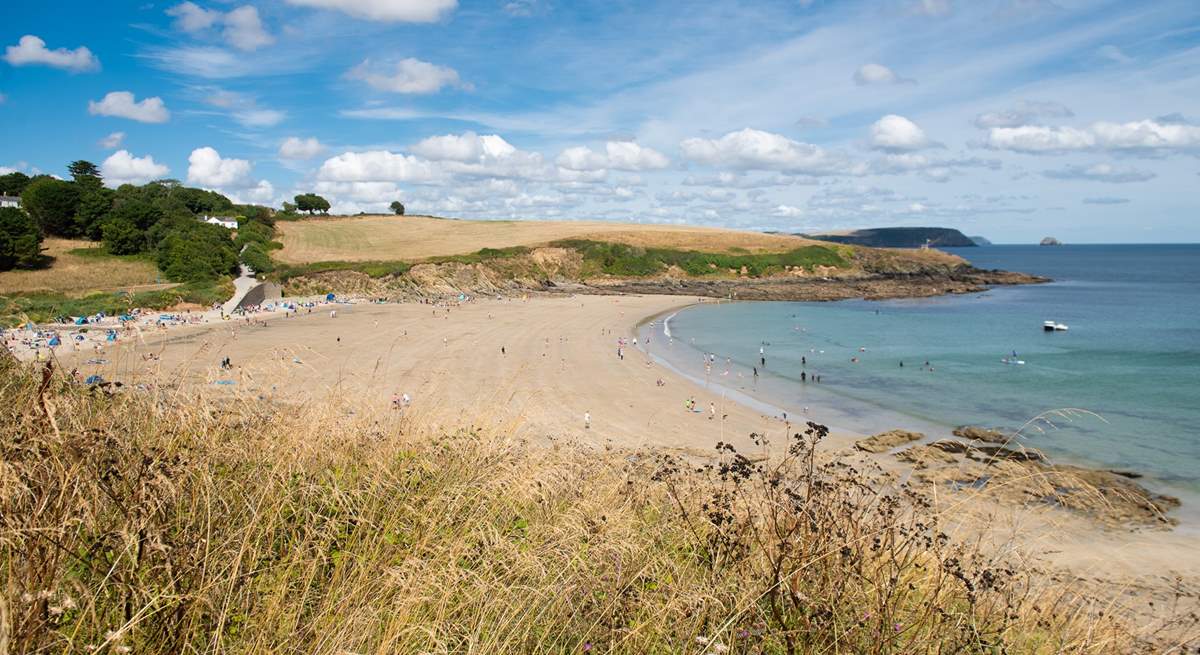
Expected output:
(899, 237)
(1050, 241)
(981, 241)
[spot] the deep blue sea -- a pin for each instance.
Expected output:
(1130, 362)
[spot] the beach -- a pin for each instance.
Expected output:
(561, 370)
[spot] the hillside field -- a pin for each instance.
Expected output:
(410, 238)
(81, 267)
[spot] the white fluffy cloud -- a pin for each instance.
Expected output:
(408, 75)
(191, 17)
(1039, 139)
(1100, 173)
(295, 147)
(466, 147)
(375, 166)
(113, 140)
(403, 11)
(750, 149)
(122, 167)
(208, 169)
(31, 50)
(897, 133)
(261, 193)
(618, 155)
(242, 27)
(122, 104)
(1134, 136)
(877, 74)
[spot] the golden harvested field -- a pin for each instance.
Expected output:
(77, 276)
(389, 238)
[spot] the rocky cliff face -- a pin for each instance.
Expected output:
(874, 274)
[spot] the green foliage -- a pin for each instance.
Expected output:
(20, 239)
(45, 307)
(311, 203)
(122, 237)
(196, 252)
(397, 207)
(84, 172)
(374, 269)
(630, 261)
(14, 183)
(255, 256)
(95, 202)
(141, 213)
(52, 203)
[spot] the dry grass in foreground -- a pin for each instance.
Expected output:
(410, 238)
(76, 275)
(148, 523)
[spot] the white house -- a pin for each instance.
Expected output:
(10, 201)
(227, 222)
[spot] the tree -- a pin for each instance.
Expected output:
(311, 203)
(122, 237)
(83, 170)
(196, 252)
(141, 213)
(52, 204)
(94, 205)
(20, 239)
(397, 207)
(14, 183)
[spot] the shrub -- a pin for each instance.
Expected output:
(196, 252)
(122, 237)
(20, 239)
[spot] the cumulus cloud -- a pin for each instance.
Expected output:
(1039, 139)
(375, 166)
(121, 167)
(1105, 200)
(751, 149)
(897, 133)
(400, 11)
(122, 104)
(465, 147)
(31, 50)
(295, 147)
(1024, 113)
(408, 75)
(1146, 136)
(192, 18)
(868, 74)
(113, 140)
(1100, 173)
(208, 169)
(618, 155)
(242, 27)
(260, 194)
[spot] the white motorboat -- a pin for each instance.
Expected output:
(1051, 326)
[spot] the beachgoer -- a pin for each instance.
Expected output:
(587, 420)
(712, 410)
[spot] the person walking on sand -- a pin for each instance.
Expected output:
(712, 410)
(587, 420)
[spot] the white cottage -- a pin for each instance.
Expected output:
(227, 222)
(10, 201)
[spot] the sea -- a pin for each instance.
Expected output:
(1119, 389)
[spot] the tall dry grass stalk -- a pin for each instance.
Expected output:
(162, 523)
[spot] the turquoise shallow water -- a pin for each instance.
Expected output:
(1131, 356)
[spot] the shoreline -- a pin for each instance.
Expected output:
(1186, 514)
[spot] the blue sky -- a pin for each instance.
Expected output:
(1014, 119)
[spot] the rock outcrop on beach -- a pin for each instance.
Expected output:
(1024, 477)
(976, 433)
(885, 441)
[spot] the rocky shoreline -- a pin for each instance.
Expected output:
(871, 287)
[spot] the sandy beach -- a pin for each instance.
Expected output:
(547, 369)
